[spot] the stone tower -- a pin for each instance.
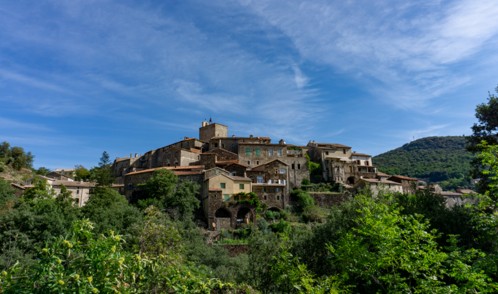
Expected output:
(210, 130)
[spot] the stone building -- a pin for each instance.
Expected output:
(270, 183)
(221, 200)
(378, 185)
(409, 184)
(133, 180)
(80, 191)
(340, 164)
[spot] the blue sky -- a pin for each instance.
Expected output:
(81, 77)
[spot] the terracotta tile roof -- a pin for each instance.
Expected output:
(381, 174)
(361, 154)
(172, 168)
(376, 181)
(330, 145)
(73, 184)
(405, 178)
(236, 178)
(266, 163)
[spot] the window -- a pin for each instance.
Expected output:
(279, 152)
(293, 166)
(241, 186)
(259, 179)
(257, 162)
(281, 171)
(298, 166)
(270, 152)
(223, 185)
(326, 153)
(278, 197)
(226, 197)
(248, 151)
(215, 145)
(257, 151)
(344, 151)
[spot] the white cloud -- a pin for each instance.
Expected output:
(389, 45)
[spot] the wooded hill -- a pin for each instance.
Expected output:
(442, 160)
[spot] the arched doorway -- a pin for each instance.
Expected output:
(351, 180)
(222, 219)
(244, 216)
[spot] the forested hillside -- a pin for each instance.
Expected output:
(442, 160)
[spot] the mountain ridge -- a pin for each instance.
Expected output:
(437, 159)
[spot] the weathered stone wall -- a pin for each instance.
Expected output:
(208, 131)
(329, 199)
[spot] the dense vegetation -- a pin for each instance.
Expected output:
(442, 160)
(14, 157)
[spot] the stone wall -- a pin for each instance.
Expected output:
(329, 199)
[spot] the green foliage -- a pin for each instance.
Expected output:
(102, 174)
(7, 197)
(42, 171)
(303, 201)
(487, 127)
(178, 198)
(15, 157)
(36, 218)
(315, 169)
(81, 173)
(442, 160)
(250, 198)
(488, 158)
(109, 210)
(84, 262)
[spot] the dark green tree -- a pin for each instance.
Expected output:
(164, 190)
(109, 210)
(81, 173)
(485, 130)
(42, 171)
(102, 174)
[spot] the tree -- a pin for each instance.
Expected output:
(81, 173)
(178, 198)
(42, 171)
(487, 127)
(102, 173)
(109, 210)
(486, 130)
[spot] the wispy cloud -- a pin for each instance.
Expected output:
(403, 50)
(16, 125)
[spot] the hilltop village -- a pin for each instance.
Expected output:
(228, 167)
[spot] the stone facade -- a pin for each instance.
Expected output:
(133, 180)
(226, 166)
(80, 191)
(340, 164)
(270, 183)
(221, 205)
(209, 130)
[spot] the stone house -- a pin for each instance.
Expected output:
(80, 191)
(270, 183)
(221, 200)
(378, 185)
(340, 164)
(133, 180)
(409, 184)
